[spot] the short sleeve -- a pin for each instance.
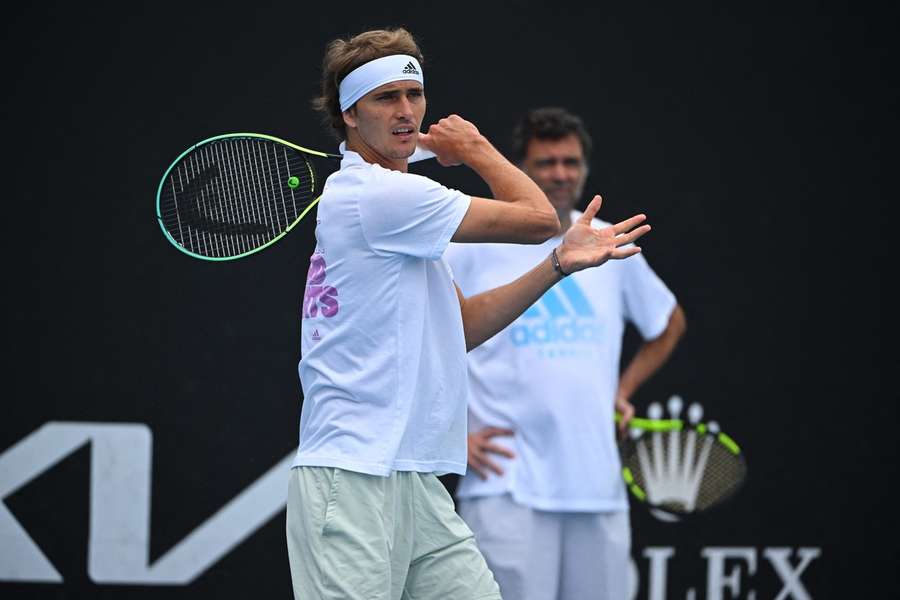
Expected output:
(403, 213)
(648, 302)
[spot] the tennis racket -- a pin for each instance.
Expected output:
(235, 194)
(678, 468)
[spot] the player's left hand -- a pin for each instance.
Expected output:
(584, 246)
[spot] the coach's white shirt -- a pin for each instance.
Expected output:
(552, 374)
(383, 364)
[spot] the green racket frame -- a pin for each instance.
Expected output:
(237, 135)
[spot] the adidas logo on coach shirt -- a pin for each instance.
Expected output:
(561, 320)
(410, 69)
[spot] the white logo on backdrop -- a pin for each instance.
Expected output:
(730, 572)
(672, 473)
(119, 539)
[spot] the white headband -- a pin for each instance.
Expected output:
(365, 78)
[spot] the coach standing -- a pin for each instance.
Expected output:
(548, 505)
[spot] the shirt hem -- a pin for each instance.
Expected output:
(551, 504)
(379, 469)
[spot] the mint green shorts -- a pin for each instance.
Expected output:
(354, 536)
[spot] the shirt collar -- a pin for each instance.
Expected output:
(349, 156)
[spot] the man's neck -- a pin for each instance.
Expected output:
(370, 155)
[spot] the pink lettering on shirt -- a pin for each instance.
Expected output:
(318, 297)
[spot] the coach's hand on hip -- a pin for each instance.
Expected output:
(480, 449)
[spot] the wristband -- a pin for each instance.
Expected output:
(555, 260)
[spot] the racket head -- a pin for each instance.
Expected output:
(232, 195)
(678, 469)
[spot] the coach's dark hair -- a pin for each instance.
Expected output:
(342, 56)
(548, 123)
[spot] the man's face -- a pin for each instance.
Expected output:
(387, 119)
(559, 169)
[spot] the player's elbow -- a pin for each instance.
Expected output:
(536, 227)
(546, 226)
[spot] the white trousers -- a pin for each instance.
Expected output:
(543, 555)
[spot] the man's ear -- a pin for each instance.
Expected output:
(349, 117)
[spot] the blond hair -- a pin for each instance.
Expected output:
(342, 56)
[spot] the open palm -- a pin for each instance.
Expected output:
(584, 246)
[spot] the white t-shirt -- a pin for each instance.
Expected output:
(552, 374)
(383, 363)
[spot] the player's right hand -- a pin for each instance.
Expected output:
(452, 139)
(480, 449)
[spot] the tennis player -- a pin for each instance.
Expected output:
(385, 333)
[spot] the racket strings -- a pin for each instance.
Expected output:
(723, 474)
(232, 196)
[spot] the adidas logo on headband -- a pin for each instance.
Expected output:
(368, 76)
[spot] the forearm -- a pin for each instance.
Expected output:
(652, 355)
(523, 214)
(486, 314)
(647, 361)
(508, 183)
